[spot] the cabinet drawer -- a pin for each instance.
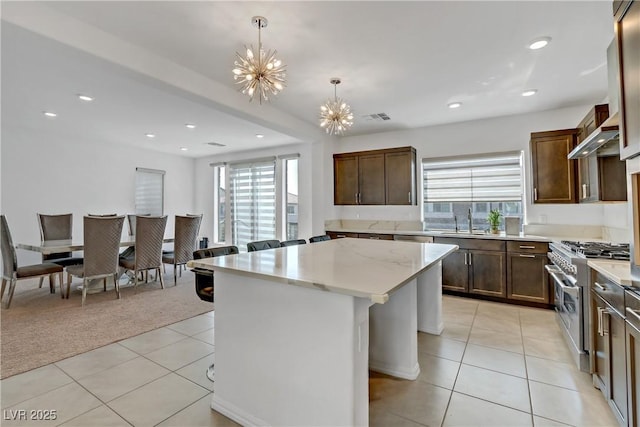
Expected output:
(375, 236)
(472, 243)
(610, 291)
(632, 309)
(527, 247)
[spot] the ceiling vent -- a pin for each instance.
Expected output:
(378, 117)
(216, 144)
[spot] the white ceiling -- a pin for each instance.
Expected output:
(405, 59)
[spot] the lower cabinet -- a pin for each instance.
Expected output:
(527, 279)
(478, 267)
(632, 328)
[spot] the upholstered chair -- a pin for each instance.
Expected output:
(148, 250)
(57, 227)
(262, 245)
(293, 242)
(186, 233)
(101, 253)
(316, 239)
(12, 273)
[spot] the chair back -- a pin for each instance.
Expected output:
(149, 237)
(262, 245)
(9, 259)
(55, 227)
(293, 242)
(316, 239)
(131, 219)
(101, 245)
(214, 252)
(186, 234)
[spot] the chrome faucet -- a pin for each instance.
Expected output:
(470, 218)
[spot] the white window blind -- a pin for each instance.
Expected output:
(149, 198)
(252, 201)
(494, 178)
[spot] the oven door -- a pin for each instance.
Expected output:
(568, 302)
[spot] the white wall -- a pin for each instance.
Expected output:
(54, 173)
(506, 133)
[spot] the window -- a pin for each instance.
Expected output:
(252, 201)
(149, 197)
(220, 214)
(291, 192)
(455, 186)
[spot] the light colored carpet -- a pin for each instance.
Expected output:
(41, 328)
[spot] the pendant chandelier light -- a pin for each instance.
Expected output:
(259, 72)
(335, 114)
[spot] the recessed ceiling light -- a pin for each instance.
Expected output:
(529, 92)
(259, 135)
(601, 140)
(539, 43)
(85, 97)
(150, 135)
(49, 114)
(183, 148)
(455, 105)
(190, 126)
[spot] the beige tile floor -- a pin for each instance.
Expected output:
(494, 365)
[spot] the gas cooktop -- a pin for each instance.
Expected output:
(619, 251)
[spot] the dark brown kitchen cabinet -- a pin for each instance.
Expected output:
(527, 279)
(478, 267)
(375, 236)
(554, 176)
(588, 166)
(340, 235)
(594, 118)
(376, 177)
(632, 325)
(627, 29)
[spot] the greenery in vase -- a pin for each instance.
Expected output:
(494, 219)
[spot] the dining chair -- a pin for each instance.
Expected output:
(316, 239)
(186, 233)
(293, 242)
(57, 227)
(101, 253)
(131, 220)
(148, 247)
(204, 280)
(262, 245)
(12, 273)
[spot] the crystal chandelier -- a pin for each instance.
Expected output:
(259, 71)
(335, 114)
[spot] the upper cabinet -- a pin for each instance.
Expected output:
(554, 176)
(376, 177)
(627, 26)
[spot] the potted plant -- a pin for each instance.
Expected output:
(494, 218)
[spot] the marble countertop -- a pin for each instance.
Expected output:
(435, 233)
(618, 271)
(370, 269)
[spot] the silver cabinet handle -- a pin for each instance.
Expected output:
(633, 312)
(374, 237)
(527, 247)
(465, 259)
(470, 258)
(600, 326)
(599, 286)
(359, 198)
(535, 193)
(356, 198)
(527, 256)
(584, 191)
(409, 194)
(341, 235)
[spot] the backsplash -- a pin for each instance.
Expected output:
(364, 224)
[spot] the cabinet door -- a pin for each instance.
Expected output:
(400, 169)
(554, 176)
(613, 177)
(371, 179)
(527, 279)
(618, 365)
(628, 41)
(487, 273)
(345, 180)
(633, 375)
(599, 361)
(588, 179)
(455, 272)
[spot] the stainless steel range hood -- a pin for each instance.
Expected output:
(605, 133)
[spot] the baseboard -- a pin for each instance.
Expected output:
(393, 371)
(230, 410)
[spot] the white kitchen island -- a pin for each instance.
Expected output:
(297, 328)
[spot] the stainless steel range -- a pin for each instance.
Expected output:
(570, 275)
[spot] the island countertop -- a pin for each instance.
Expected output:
(370, 269)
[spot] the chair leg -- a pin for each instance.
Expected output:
(104, 284)
(85, 285)
(68, 284)
(4, 285)
(41, 281)
(12, 287)
(117, 285)
(161, 278)
(175, 277)
(52, 284)
(62, 282)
